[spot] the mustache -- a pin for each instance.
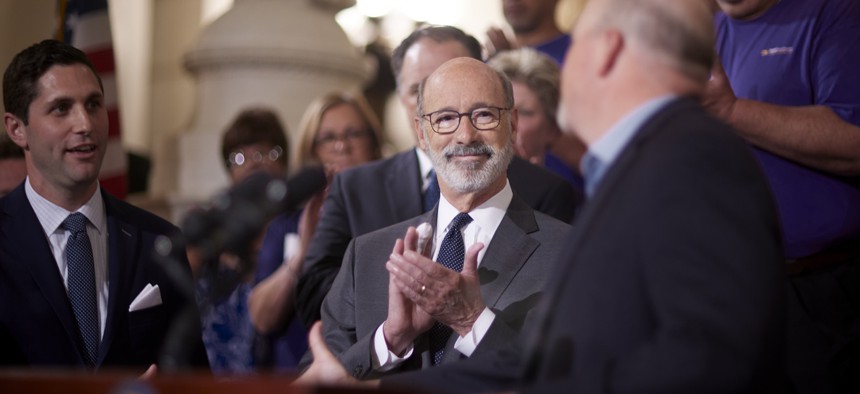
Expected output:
(474, 149)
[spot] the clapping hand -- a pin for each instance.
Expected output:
(453, 298)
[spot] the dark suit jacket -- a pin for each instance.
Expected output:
(37, 323)
(513, 273)
(672, 280)
(379, 194)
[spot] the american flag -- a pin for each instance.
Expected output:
(85, 24)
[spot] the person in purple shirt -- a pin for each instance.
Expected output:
(533, 23)
(278, 349)
(789, 82)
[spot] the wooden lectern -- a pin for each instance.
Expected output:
(23, 381)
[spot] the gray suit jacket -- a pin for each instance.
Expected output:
(513, 272)
(379, 194)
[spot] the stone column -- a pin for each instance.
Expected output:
(275, 53)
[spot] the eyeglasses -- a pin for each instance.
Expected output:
(447, 121)
(329, 139)
(239, 158)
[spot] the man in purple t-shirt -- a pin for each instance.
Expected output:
(789, 82)
(533, 23)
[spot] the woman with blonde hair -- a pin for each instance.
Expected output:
(338, 131)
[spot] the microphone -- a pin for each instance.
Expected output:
(302, 186)
(235, 218)
(230, 222)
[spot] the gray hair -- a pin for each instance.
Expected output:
(660, 26)
(536, 70)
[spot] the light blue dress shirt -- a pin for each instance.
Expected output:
(601, 154)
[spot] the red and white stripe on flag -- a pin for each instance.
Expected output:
(85, 24)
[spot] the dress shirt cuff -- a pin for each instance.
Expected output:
(383, 359)
(468, 343)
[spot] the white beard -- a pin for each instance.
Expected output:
(471, 177)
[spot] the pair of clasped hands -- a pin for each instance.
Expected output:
(420, 292)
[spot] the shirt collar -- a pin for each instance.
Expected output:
(603, 152)
(487, 216)
(51, 216)
(425, 165)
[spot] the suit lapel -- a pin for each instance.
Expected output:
(23, 228)
(403, 186)
(616, 173)
(122, 249)
(508, 251)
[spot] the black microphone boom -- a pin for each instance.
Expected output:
(302, 186)
(236, 217)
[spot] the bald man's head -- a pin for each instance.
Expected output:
(453, 73)
(679, 32)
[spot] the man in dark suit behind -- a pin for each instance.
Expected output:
(380, 194)
(672, 280)
(485, 307)
(54, 310)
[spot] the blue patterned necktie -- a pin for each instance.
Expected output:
(451, 255)
(82, 284)
(431, 196)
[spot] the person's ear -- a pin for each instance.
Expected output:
(611, 47)
(515, 118)
(15, 129)
(416, 125)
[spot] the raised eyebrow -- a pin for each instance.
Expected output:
(481, 106)
(451, 109)
(96, 96)
(68, 99)
(59, 100)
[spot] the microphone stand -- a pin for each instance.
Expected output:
(230, 224)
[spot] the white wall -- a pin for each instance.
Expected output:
(23, 23)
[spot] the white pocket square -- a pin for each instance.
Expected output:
(149, 297)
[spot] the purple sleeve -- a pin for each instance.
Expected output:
(835, 63)
(272, 250)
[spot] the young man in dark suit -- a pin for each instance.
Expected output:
(389, 191)
(672, 277)
(79, 286)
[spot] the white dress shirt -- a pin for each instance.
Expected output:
(485, 220)
(51, 218)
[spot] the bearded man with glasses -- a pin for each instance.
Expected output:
(389, 191)
(403, 301)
